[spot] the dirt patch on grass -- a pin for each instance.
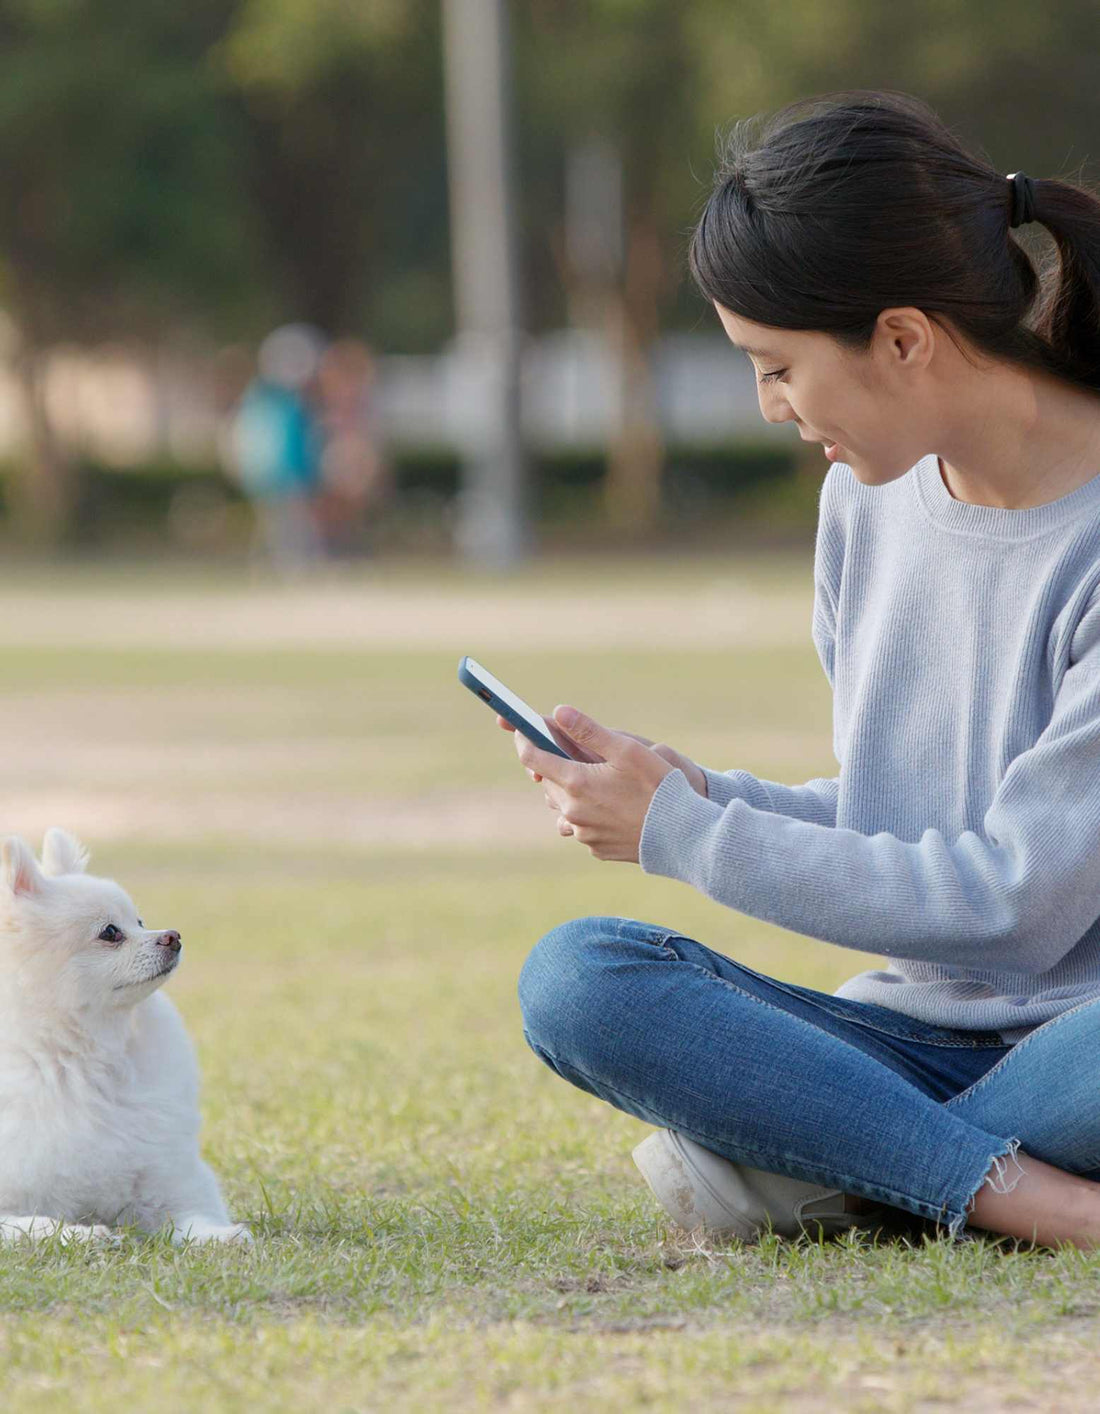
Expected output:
(455, 819)
(380, 615)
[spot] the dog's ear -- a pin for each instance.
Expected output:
(18, 867)
(62, 854)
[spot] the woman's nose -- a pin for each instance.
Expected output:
(774, 407)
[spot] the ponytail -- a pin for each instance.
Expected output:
(1068, 315)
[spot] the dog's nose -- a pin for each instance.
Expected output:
(171, 939)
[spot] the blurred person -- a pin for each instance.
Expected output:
(866, 261)
(355, 480)
(274, 446)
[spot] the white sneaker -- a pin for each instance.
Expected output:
(698, 1188)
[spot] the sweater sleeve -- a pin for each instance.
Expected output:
(814, 802)
(1015, 896)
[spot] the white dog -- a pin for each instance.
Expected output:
(99, 1114)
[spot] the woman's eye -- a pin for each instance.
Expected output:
(769, 377)
(111, 934)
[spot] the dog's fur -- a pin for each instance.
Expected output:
(99, 1114)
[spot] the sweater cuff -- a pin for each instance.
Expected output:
(724, 786)
(674, 826)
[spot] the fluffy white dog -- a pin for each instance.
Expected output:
(99, 1115)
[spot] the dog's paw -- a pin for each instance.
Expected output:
(12, 1228)
(38, 1227)
(236, 1232)
(197, 1230)
(96, 1232)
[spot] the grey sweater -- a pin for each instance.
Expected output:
(960, 838)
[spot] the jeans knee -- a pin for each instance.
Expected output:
(566, 985)
(553, 977)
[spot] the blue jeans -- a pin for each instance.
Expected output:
(790, 1080)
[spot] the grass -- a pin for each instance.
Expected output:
(442, 1224)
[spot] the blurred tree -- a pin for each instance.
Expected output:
(1004, 72)
(627, 69)
(117, 192)
(341, 105)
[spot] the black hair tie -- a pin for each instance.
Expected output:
(1023, 199)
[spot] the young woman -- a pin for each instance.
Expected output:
(865, 262)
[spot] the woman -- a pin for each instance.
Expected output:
(863, 259)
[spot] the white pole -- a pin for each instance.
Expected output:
(492, 527)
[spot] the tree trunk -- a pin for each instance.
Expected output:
(43, 493)
(636, 452)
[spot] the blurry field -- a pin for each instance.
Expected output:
(358, 865)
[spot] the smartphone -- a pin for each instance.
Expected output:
(513, 709)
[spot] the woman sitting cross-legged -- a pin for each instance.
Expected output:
(866, 263)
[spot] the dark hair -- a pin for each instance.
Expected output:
(850, 203)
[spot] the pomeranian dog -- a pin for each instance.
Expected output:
(99, 1117)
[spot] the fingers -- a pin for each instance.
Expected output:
(565, 829)
(558, 769)
(553, 803)
(633, 735)
(508, 727)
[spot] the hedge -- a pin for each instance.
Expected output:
(197, 507)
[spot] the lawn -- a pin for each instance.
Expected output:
(358, 866)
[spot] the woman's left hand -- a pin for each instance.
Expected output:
(604, 805)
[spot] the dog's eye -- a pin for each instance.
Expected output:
(140, 923)
(111, 934)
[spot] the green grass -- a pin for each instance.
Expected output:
(442, 1224)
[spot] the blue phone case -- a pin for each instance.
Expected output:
(478, 688)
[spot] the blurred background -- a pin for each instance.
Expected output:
(298, 283)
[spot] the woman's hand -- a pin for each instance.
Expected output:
(693, 772)
(603, 803)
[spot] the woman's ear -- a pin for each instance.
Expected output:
(62, 853)
(908, 335)
(18, 867)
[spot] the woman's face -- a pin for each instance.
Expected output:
(873, 405)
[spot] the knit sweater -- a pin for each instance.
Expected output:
(960, 838)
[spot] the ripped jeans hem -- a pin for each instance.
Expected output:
(998, 1179)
